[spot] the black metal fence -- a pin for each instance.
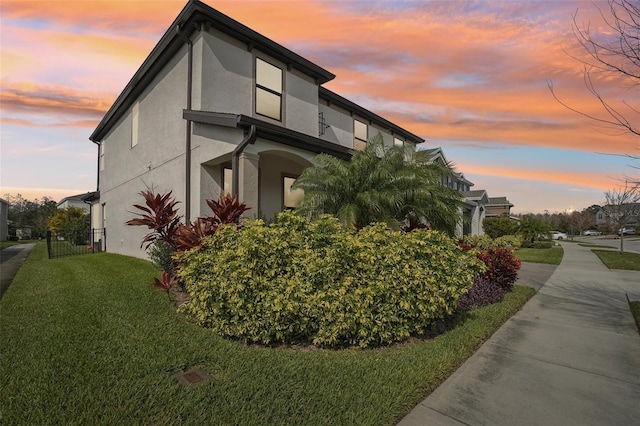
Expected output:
(72, 243)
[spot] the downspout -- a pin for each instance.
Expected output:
(187, 141)
(249, 137)
(97, 165)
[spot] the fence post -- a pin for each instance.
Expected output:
(49, 243)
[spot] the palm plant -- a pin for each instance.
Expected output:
(394, 185)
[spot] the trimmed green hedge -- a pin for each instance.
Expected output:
(299, 282)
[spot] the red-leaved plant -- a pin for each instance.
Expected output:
(160, 215)
(226, 211)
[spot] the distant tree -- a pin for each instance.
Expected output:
(33, 213)
(620, 203)
(532, 228)
(394, 185)
(612, 54)
(498, 226)
(579, 221)
(72, 223)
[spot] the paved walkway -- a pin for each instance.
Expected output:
(571, 356)
(11, 259)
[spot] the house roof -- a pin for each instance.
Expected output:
(499, 201)
(78, 197)
(438, 153)
(333, 97)
(190, 18)
(269, 131)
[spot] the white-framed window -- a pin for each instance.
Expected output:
(290, 197)
(360, 135)
(268, 90)
(227, 180)
(398, 142)
(134, 124)
(101, 155)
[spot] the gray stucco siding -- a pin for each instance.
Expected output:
(301, 103)
(226, 75)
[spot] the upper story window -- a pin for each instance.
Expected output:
(360, 135)
(398, 142)
(268, 90)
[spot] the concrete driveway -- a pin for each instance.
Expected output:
(11, 259)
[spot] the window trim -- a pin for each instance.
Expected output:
(282, 181)
(259, 87)
(356, 139)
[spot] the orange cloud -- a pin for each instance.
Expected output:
(597, 181)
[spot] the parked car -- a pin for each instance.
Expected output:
(591, 232)
(557, 235)
(627, 230)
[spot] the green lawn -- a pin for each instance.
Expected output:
(87, 340)
(551, 256)
(613, 259)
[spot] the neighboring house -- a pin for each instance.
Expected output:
(218, 107)
(474, 212)
(631, 212)
(4, 220)
(74, 201)
(475, 201)
(498, 206)
(24, 233)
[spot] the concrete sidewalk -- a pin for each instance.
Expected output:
(571, 356)
(11, 260)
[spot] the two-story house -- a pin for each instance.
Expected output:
(218, 107)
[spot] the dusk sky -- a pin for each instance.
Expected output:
(468, 76)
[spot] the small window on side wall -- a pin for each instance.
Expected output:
(268, 90)
(290, 197)
(360, 135)
(227, 179)
(135, 112)
(398, 142)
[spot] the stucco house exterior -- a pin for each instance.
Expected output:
(218, 107)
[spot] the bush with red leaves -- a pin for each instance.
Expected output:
(502, 266)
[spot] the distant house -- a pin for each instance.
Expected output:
(4, 220)
(24, 232)
(475, 201)
(498, 206)
(74, 201)
(631, 212)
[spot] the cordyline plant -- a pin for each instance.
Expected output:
(169, 236)
(159, 215)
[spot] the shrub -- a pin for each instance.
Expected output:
(509, 241)
(296, 281)
(483, 292)
(502, 266)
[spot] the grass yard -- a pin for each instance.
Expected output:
(87, 340)
(613, 259)
(552, 256)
